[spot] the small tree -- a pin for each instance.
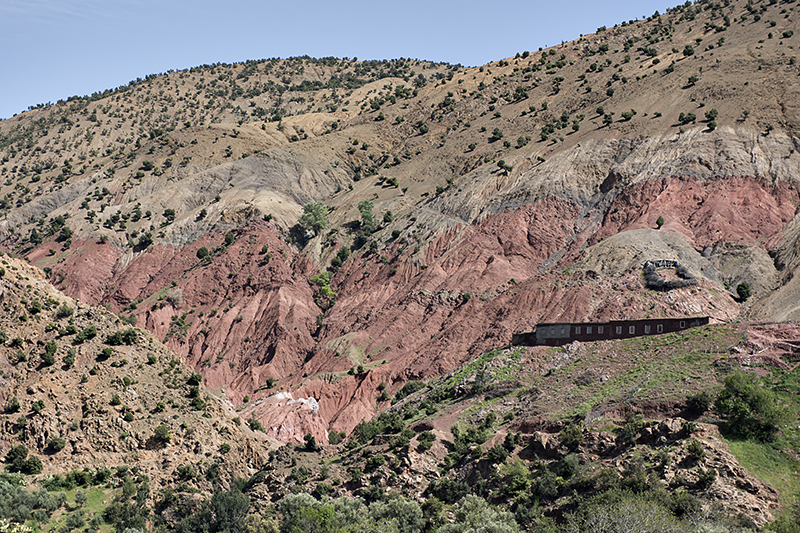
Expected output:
(571, 436)
(162, 434)
(750, 410)
(12, 406)
(311, 442)
(56, 444)
(660, 222)
(743, 290)
(368, 222)
(699, 403)
(314, 217)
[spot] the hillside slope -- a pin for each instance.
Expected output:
(522, 191)
(81, 390)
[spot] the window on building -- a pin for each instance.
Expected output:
(563, 331)
(660, 328)
(647, 329)
(631, 330)
(683, 324)
(577, 330)
(619, 330)
(553, 332)
(588, 330)
(599, 329)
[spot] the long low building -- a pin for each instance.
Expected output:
(559, 333)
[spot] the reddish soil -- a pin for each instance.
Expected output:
(246, 322)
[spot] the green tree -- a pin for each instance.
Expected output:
(407, 513)
(474, 515)
(660, 222)
(699, 403)
(12, 406)
(749, 410)
(202, 253)
(162, 434)
(56, 444)
(631, 514)
(311, 442)
(743, 290)
(314, 217)
(712, 114)
(571, 436)
(368, 222)
(230, 509)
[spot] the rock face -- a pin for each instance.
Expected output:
(476, 237)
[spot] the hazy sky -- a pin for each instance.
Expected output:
(53, 49)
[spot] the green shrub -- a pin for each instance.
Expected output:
(85, 334)
(12, 406)
(311, 442)
(50, 349)
(695, 449)
(571, 436)
(56, 444)
(743, 290)
(706, 478)
(497, 454)
(409, 388)
(314, 217)
(629, 433)
(335, 437)
(426, 440)
(38, 406)
(118, 338)
(749, 410)
(162, 434)
(374, 462)
(699, 403)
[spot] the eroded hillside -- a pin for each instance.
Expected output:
(491, 198)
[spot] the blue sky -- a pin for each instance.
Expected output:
(54, 49)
